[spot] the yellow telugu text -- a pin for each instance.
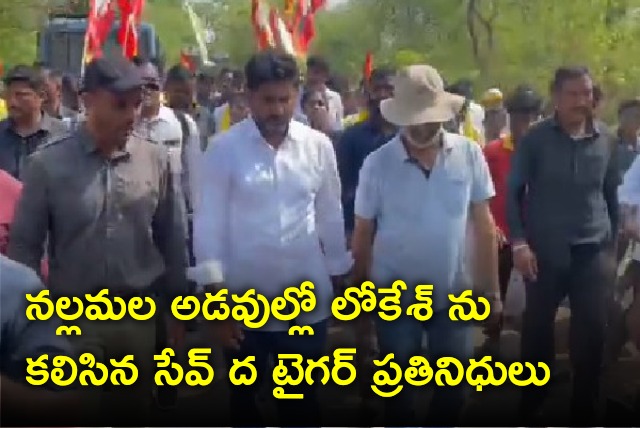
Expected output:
(253, 309)
(452, 372)
(292, 370)
(94, 308)
(367, 298)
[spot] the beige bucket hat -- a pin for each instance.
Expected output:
(419, 97)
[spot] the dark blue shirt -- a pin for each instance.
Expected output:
(15, 149)
(356, 143)
(571, 190)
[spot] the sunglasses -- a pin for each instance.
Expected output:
(151, 87)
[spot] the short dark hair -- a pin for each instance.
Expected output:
(271, 66)
(628, 104)
(563, 74)
(179, 74)
(318, 63)
(463, 87)
(524, 99)
(598, 93)
(383, 72)
(139, 61)
(32, 76)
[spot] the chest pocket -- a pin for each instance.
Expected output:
(138, 197)
(454, 188)
(591, 167)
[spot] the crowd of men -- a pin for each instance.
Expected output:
(160, 183)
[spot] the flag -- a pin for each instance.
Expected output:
(187, 62)
(261, 26)
(130, 15)
(100, 21)
(317, 5)
(283, 37)
(367, 69)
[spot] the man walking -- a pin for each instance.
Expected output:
(564, 243)
(419, 189)
(112, 213)
(28, 125)
(524, 107)
(269, 218)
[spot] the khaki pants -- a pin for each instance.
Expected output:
(117, 339)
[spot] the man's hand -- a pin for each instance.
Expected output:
(495, 317)
(525, 261)
(228, 333)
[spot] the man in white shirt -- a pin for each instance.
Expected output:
(415, 197)
(318, 72)
(269, 217)
(175, 130)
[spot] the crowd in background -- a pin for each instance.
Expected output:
(402, 177)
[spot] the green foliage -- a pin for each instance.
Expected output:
(513, 41)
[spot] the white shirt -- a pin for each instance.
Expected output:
(335, 107)
(165, 129)
(629, 194)
(263, 213)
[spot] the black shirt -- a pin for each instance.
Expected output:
(571, 190)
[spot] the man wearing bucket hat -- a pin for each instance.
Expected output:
(415, 197)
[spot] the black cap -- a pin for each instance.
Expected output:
(113, 75)
(524, 99)
(24, 73)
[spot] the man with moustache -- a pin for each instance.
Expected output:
(269, 218)
(105, 202)
(563, 238)
(359, 140)
(415, 197)
(28, 126)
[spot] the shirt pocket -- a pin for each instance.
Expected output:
(455, 193)
(139, 197)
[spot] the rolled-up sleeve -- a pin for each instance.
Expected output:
(519, 178)
(169, 233)
(29, 227)
(329, 216)
(211, 214)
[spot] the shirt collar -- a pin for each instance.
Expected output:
(46, 123)
(401, 151)
(294, 133)
(593, 124)
(88, 144)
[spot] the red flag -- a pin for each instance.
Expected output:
(317, 4)
(261, 27)
(130, 15)
(187, 61)
(368, 67)
(101, 17)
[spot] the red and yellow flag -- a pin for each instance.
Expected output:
(101, 17)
